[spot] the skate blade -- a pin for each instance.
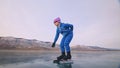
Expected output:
(66, 62)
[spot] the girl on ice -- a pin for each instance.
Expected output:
(67, 32)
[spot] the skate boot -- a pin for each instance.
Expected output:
(69, 56)
(61, 57)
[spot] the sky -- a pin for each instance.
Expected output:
(96, 22)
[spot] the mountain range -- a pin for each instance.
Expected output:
(33, 44)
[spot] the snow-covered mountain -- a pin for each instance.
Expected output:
(12, 42)
(21, 43)
(89, 48)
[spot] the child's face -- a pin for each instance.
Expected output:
(57, 23)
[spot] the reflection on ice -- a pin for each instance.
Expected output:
(64, 65)
(45, 60)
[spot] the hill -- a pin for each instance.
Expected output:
(33, 44)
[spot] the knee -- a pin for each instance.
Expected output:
(66, 44)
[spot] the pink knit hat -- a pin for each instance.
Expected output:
(57, 19)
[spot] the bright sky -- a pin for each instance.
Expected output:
(96, 22)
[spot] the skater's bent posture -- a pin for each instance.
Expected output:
(67, 31)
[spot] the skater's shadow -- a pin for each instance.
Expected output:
(64, 65)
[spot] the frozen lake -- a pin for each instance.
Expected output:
(37, 59)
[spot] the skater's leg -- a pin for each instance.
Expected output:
(62, 48)
(67, 47)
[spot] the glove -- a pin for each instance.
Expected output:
(53, 45)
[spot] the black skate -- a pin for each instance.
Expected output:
(61, 57)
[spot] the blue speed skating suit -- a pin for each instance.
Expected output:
(67, 31)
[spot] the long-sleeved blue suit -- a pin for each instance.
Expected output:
(67, 31)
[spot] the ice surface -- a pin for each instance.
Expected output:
(83, 59)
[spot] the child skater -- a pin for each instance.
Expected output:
(67, 32)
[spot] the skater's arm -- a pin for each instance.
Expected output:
(56, 36)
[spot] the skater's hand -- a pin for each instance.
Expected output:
(53, 45)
